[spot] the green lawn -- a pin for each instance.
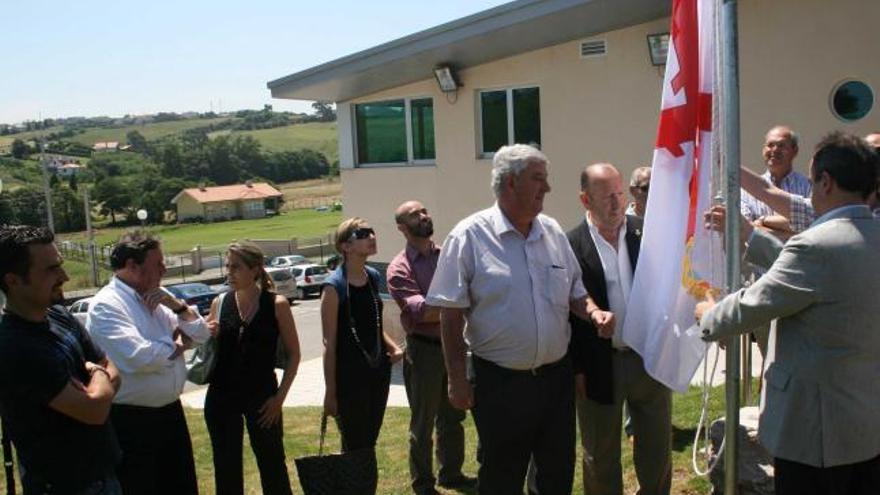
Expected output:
(78, 272)
(319, 136)
(301, 438)
(303, 224)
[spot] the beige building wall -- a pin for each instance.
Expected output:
(793, 54)
(188, 207)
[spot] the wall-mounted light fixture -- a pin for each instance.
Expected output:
(658, 47)
(446, 78)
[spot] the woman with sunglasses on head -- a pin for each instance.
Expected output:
(249, 325)
(357, 353)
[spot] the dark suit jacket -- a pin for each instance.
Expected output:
(590, 353)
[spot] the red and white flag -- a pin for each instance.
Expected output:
(675, 266)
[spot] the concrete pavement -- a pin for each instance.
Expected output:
(308, 387)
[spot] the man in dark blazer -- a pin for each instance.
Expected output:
(608, 373)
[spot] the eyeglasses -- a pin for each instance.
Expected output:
(644, 187)
(361, 233)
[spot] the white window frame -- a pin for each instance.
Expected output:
(510, 129)
(407, 110)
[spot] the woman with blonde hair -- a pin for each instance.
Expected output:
(357, 352)
(249, 324)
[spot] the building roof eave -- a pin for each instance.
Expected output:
(503, 31)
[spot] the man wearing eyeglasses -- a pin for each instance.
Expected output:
(510, 274)
(820, 416)
(639, 184)
(409, 277)
(779, 151)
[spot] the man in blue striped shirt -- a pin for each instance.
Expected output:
(780, 149)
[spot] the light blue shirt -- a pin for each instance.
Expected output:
(514, 289)
(794, 183)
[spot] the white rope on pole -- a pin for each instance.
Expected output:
(708, 377)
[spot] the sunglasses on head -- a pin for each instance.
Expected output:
(362, 233)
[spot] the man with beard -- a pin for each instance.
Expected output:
(56, 386)
(409, 277)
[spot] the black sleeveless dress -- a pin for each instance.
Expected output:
(243, 379)
(361, 386)
(246, 352)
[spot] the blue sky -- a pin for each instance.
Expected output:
(101, 57)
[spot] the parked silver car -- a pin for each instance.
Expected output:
(285, 284)
(309, 279)
(80, 309)
(288, 260)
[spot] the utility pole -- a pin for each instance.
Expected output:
(93, 262)
(46, 188)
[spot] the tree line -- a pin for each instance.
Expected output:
(153, 173)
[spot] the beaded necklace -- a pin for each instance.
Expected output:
(372, 360)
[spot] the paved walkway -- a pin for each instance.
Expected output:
(308, 387)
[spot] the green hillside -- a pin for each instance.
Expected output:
(149, 131)
(319, 136)
(99, 134)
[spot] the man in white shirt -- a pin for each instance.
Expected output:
(608, 373)
(145, 332)
(509, 272)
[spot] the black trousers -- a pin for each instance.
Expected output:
(226, 414)
(521, 415)
(793, 478)
(361, 397)
(157, 456)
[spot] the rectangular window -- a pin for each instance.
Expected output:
(381, 132)
(509, 116)
(422, 116)
(397, 131)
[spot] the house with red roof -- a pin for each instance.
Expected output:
(214, 204)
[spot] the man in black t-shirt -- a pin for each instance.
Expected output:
(56, 386)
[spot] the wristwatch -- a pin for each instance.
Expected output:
(183, 307)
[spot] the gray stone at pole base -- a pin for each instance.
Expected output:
(755, 467)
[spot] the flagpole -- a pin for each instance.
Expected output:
(730, 141)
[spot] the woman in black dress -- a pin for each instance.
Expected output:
(244, 391)
(357, 353)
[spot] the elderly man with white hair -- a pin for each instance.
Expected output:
(509, 273)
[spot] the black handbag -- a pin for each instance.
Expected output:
(353, 472)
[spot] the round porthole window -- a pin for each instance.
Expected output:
(852, 100)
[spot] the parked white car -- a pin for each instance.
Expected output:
(309, 279)
(80, 309)
(288, 261)
(285, 284)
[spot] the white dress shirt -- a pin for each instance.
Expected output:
(515, 289)
(139, 342)
(618, 277)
